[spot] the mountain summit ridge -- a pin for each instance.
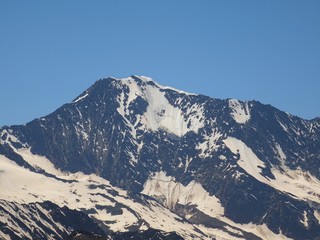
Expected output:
(217, 168)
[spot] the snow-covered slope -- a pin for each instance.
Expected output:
(170, 193)
(89, 193)
(297, 183)
(159, 113)
(112, 207)
(239, 111)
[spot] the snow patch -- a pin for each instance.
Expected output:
(219, 234)
(317, 215)
(38, 161)
(280, 153)
(209, 145)
(283, 126)
(160, 114)
(6, 136)
(248, 160)
(262, 231)
(80, 98)
(169, 192)
(300, 184)
(304, 221)
(239, 111)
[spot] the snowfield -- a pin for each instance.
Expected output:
(300, 184)
(80, 191)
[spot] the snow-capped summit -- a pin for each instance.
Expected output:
(159, 112)
(132, 155)
(149, 80)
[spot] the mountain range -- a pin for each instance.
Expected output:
(131, 158)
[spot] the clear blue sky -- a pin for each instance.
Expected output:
(50, 51)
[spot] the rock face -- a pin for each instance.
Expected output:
(133, 235)
(224, 168)
(51, 220)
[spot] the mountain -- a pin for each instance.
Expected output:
(128, 156)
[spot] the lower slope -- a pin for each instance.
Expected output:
(46, 203)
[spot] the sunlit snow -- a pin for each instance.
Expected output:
(300, 184)
(20, 185)
(164, 187)
(239, 111)
(160, 114)
(80, 98)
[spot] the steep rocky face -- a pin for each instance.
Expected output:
(250, 162)
(55, 222)
(134, 235)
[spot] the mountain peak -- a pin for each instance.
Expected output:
(154, 106)
(144, 80)
(225, 166)
(145, 105)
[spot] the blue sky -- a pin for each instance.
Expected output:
(51, 51)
